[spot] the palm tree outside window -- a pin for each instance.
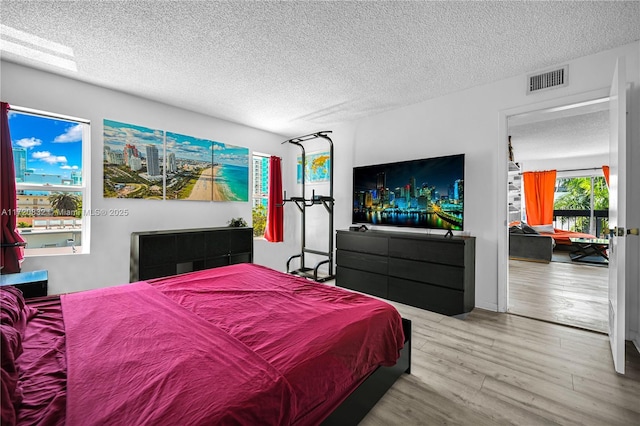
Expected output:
(51, 160)
(581, 204)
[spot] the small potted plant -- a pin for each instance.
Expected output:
(237, 222)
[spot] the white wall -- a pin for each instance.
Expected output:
(469, 122)
(108, 262)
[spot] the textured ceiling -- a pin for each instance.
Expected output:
(300, 66)
(583, 135)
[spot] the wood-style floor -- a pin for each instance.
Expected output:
(574, 294)
(495, 369)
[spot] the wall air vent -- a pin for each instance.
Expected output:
(547, 80)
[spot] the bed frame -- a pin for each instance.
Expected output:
(366, 396)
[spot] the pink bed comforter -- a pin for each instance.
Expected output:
(134, 357)
(324, 340)
(243, 345)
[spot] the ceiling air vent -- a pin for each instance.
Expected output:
(548, 80)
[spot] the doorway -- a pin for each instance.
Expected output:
(546, 280)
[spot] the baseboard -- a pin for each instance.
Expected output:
(488, 306)
(526, 259)
(635, 339)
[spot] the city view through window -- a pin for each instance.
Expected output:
(48, 162)
(260, 191)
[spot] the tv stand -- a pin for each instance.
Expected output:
(449, 234)
(425, 271)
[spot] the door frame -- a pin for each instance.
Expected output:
(503, 158)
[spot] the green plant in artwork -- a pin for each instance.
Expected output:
(259, 217)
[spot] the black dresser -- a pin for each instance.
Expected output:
(162, 253)
(427, 271)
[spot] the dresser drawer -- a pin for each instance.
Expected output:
(443, 300)
(361, 242)
(444, 252)
(432, 273)
(362, 261)
(365, 282)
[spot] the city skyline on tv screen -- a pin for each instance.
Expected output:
(424, 193)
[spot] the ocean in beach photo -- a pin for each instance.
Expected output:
(231, 183)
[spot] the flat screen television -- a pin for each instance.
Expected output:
(424, 193)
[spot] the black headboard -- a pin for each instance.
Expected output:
(162, 253)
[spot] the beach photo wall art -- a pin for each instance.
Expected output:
(231, 168)
(131, 158)
(189, 168)
(154, 164)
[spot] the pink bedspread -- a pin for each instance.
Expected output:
(43, 367)
(323, 339)
(134, 357)
(243, 345)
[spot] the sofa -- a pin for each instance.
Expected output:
(527, 244)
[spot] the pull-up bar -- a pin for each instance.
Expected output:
(303, 203)
(296, 141)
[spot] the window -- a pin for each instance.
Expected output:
(260, 193)
(51, 159)
(581, 204)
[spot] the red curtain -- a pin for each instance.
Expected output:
(274, 230)
(10, 253)
(605, 171)
(539, 188)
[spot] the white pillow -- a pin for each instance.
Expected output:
(544, 228)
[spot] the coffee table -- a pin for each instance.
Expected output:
(585, 247)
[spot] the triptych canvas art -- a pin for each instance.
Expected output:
(140, 162)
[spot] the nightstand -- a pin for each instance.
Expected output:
(32, 284)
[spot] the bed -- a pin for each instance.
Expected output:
(241, 344)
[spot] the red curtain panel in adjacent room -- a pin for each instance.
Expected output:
(539, 188)
(605, 172)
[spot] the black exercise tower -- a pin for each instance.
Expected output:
(302, 203)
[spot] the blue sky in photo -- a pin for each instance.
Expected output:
(53, 146)
(188, 147)
(117, 135)
(230, 154)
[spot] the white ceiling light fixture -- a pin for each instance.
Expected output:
(36, 48)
